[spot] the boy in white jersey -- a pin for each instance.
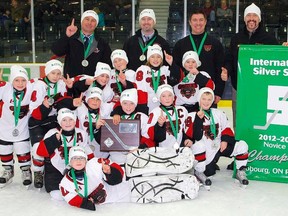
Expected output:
(210, 131)
(49, 94)
(55, 147)
(191, 81)
(89, 183)
(15, 97)
(167, 121)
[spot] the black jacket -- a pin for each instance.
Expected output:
(73, 49)
(259, 37)
(133, 49)
(212, 57)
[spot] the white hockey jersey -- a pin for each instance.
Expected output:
(143, 80)
(212, 145)
(58, 157)
(95, 179)
(9, 132)
(169, 139)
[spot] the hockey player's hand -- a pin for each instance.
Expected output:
(194, 71)
(100, 123)
(98, 195)
(105, 167)
(1, 74)
(89, 81)
(201, 113)
(168, 58)
(223, 146)
(161, 119)
(46, 103)
(71, 29)
(224, 74)
(116, 119)
(78, 101)
(68, 81)
(58, 134)
(188, 143)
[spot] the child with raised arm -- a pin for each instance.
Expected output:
(55, 147)
(210, 131)
(15, 97)
(49, 94)
(149, 77)
(89, 183)
(166, 122)
(191, 81)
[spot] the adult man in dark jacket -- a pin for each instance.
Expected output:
(137, 45)
(82, 49)
(209, 49)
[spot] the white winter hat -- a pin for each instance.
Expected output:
(118, 53)
(155, 49)
(64, 112)
(91, 13)
(148, 13)
(202, 91)
(77, 151)
(53, 64)
(102, 68)
(191, 55)
(162, 88)
(129, 95)
(93, 92)
(253, 9)
(17, 71)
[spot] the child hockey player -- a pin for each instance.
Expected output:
(149, 77)
(15, 97)
(191, 81)
(129, 100)
(210, 129)
(166, 122)
(49, 94)
(88, 183)
(121, 77)
(55, 147)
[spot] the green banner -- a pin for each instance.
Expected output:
(262, 110)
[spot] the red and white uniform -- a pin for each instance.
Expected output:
(56, 152)
(20, 142)
(83, 123)
(115, 102)
(186, 92)
(96, 179)
(164, 136)
(40, 92)
(144, 85)
(206, 148)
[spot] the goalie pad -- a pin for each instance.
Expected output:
(163, 188)
(159, 160)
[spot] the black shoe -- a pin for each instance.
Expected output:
(231, 166)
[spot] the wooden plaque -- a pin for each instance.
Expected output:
(122, 137)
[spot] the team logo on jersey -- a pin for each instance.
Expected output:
(208, 133)
(207, 48)
(23, 111)
(161, 82)
(187, 90)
